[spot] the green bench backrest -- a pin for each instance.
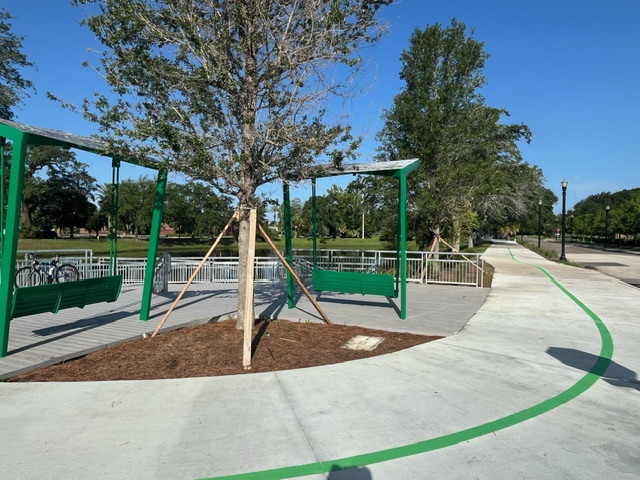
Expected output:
(354, 282)
(59, 296)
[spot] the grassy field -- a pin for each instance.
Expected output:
(129, 247)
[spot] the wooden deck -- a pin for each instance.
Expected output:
(46, 339)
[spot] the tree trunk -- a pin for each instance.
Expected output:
(456, 234)
(25, 215)
(470, 242)
(436, 240)
(244, 245)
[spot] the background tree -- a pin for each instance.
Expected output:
(39, 161)
(229, 91)
(193, 208)
(298, 226)
(378, 196)
(590, 214)
(630, 217)
(97, 221)
(58, 190)
(13, 86)
(529, 224)
(366, 205)
(135, 204)
(179, 212)
(339, 212)
(512, 198)
(65, 206)
(469, 159)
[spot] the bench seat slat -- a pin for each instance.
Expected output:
(354, 282)
(60, 296)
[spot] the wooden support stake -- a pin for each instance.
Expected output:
(423, 275)
(193, 276)
(293, 274)
(248, 308)
(468, 260)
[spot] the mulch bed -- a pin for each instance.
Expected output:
(215, 349)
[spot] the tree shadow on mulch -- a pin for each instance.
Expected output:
(215, 349)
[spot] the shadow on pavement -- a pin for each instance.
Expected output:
(360, 473)
(616, 374)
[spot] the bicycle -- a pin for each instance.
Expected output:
(48, 272)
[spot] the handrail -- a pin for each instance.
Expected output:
(450, 269)
(87, 253)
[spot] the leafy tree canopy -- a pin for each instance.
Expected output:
(472, 170)
(228, 91)
(193, 208)
(58, 190)
(13, 86)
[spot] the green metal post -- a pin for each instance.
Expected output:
(288, 248)
(154, 238)
(314, 224)
(113, 223)
(2, 180)
(402, 243)
(10, 241)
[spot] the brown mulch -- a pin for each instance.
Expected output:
(215, 349)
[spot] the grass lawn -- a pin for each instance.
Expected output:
(129, 247)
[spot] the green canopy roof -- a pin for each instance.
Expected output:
(47, 136)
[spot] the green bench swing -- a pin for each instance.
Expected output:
(354, 282)
(383, 284)
(59, 296)
(53, 298)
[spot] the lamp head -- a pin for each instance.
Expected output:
(564, 184)
(540, 202)
(607, 208)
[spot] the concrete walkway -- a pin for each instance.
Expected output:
(542, 383)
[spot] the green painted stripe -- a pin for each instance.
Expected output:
(601, 365)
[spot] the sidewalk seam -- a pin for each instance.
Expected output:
(304, 430)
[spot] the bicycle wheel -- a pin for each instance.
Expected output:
(27, 277)
(67, 273)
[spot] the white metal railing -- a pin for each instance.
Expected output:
(422, 267)
(69, 255)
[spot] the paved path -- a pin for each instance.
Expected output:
(621, 264)
(541, 384)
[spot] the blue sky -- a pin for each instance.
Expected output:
(568, 69)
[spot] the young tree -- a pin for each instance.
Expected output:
(13, 86)
(440, 117)
(232, 92)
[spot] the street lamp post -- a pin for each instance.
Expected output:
(564, 183)
(539, 218)
(606, 225)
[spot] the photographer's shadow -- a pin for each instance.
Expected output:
(357, 473)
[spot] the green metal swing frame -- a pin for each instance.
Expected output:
(356, 282)
(18, 302)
